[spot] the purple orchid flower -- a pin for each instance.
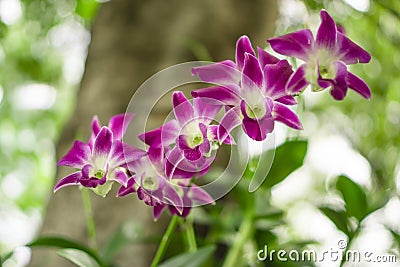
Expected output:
(152, 186)
(118, 125)
(228, 72)
(257, 101)
(100, 165)
(194, 138)
(326, 59)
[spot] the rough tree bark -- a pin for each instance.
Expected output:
(131, 40)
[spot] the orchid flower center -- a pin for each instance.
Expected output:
(195, 139)
(99, 174)
(256, 111)
(150, 183)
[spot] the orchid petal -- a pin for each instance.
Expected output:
(200, 196)
(213, 130)
(102, 143)
(358, 85)
(128, 189)
(297, 44)
(243, 46)
(257, 129)
(228, 95)
(349, 52)
(206, 109)
(276, 77)
(220, 73)
(265, 58)
(326, 35)
(339, 84)
(230, 120)
(157, 211)
(172, 197)
(183, 109)
(162, 136)
(120, 177)
(287, 100)
(119, 123)
(72, 179)
(285, 115)
(77, 156)
(297, 81)
(252, 74)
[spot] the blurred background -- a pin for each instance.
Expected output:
(43, 49)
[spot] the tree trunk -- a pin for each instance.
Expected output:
(131, 40)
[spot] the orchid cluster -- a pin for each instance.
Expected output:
(254, 91)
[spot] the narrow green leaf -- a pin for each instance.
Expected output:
(354, 197)
(61, 242)
(396, 237)
(288, 157)
(78, 257)
(5, 257)
(339, 218)
(193, 259)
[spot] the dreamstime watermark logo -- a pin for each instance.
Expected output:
(146, 101)
(338, 254)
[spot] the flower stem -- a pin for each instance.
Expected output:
(189, 234)
(245, 231)
(90, 223)
(164, 241)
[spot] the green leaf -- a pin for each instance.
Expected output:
(193, 259)
(354, 197)
(79, 257)
(87, 9)
(61, 242)
(396, 237)
(339, 218)
(5, 257)
(288, 157)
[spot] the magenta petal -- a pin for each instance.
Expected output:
(162, 136)
(230, 120)
(265, 58)
(120, 177)
(287, 100)
(189, 153)
(128, 189)
(297, 82)
(183, 109)
(78, 156)
(297, 44)
(220, 73)
(213, 130)
(157, 211)
(252, 73)
(276, 76)
(206, 109)
(351, 53)
(227, 95)
(243, 46)
(200, 196)
(119, 123)
(339, 84)
(172, 197)
(257, 129)
(326, 35)
(102, 143)
(117, 155)
(285, 115)
(95, 130)
(358, 85)
(72, 179)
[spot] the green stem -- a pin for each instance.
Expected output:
(189, 234)
(164, 241)
(245, 231)
(90, 223)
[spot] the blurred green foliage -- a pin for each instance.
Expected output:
(38, 39)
